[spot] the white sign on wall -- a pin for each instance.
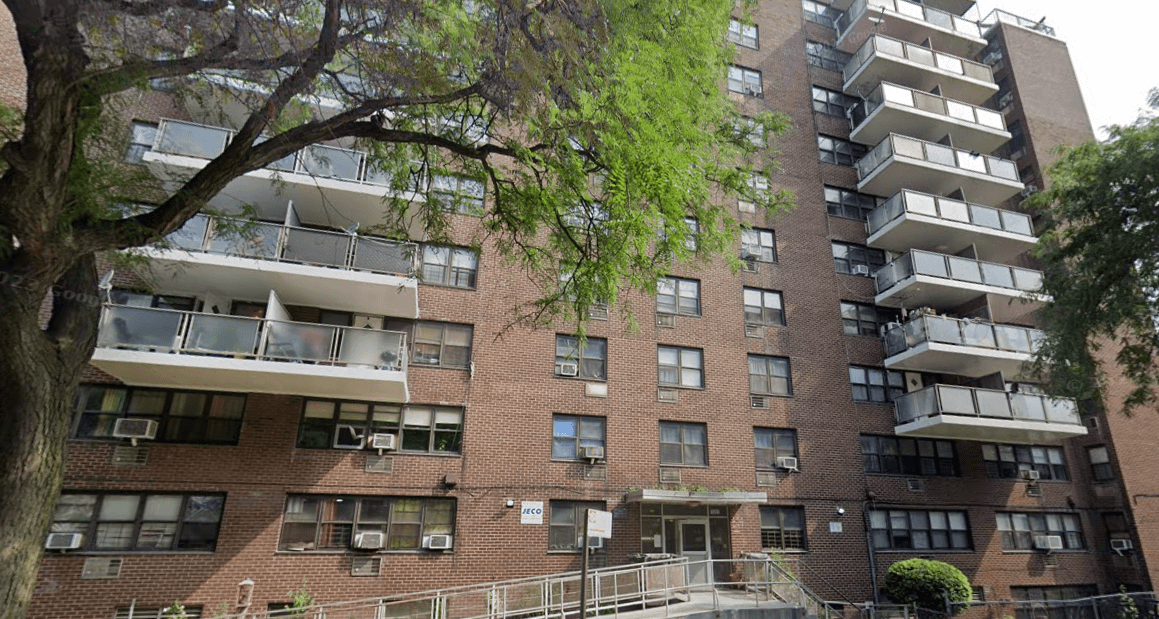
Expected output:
(531, 512)
(599, 523)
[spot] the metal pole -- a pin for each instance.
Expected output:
(584, 570)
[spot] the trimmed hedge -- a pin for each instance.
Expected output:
(925, 583)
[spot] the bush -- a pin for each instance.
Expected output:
(926, 583)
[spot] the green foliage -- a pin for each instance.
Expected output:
(927, 583)
(176, 610)
(1127, 608)
(1100, 253)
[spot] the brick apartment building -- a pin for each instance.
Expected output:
(792, 407)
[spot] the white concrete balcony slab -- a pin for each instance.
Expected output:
(900, 162)
(957, 7)
(926, 279)
(897, 109)
(970, 414)
(915, 220)
(942, 345)
(152, 347)
(908, 21)
(885, 59)
(245, 260)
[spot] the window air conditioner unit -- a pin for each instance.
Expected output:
(593, 542)
(665, 320)
(861, 269)
(369, 540)
(748, 252)
(382, 441)
(788, 463)
(134, 429)
(438, 542)
(749, 265)
(1048, 542)
(64, 541)
(758, 401)
(567, 369)
(592, 452)
(1029, 475)
(1119, 545)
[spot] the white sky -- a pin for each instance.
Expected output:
(1112, 44)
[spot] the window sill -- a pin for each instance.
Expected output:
(873, 403)
(581, 378)
(663, 386)
(912, 475)
(118, 553)
(386, 452)
(340, 552)
(660, 313)
(572, 552)
(1016, 480)
(785, 551)
(603, 462)
(771, 395)
(922, 551)
(145, 443)
(1039, 552)
(437, 285)
(684, 466)
(461, 368)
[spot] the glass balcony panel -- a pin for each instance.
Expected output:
(213, 333)
(889, 47)
(191, 235)
(989, 118)
(936, 153)
(967, 27)
(939, 18)
(897, 94)
(138, 327)
(920, 55)
(373, 348)
(1061, 411)
(304, 342)
(1002, 168)
(954, 210)
(285, 164)
(956, 400)
(316, 247)
(895, 341)
(331, 162)
(1017, 223)
(950, 63)
(992, 403)
(251, 241)
(192, 140)
(383, 257)
(907, 147)
(1028, 407)
(972, 162)
(977, 71)
(917, 405)
(985, 216)
(961, 111)
(1036, 338)
(978, 334)
(910, 9)
(1025, 279)
(996, 275)
(930, 264)
(965, 269)
(914, 333)
(942, 330)
(1014, 339)
(929, 103)
(921, 203)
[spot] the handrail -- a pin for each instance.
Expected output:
(938, 400)
(929, 205)
(919, 262)
(998, 15)
(894, 145)
(935, 17)
(960, 332)
(887, 92)
(889, 46)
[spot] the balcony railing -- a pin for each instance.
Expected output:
(894, 48)
(990, 403)
(909, 148)
(936, 17)
(261, 339)
(918, 203)
(924, 101)
(918, 262)
(266, 241)
(959, 332)
(998, 15)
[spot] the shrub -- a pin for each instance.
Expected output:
(927, 583)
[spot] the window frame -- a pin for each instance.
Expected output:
(165, 420)
(839, 200)
(580, 358)
(759, 183)
(1023, 458)
(751, 238)
(444, 328)
(849, 261)
(737, 35)
(770, 316)
(678, 306)
(743, 76)
(811, 8)
(835, 154)
(450, 275)
(777, 437)
(135, 152)
(1014, 539)
(1103, 470)
(827, 105)
(454, 198)
(313, 425)
(861, 322)
(367, 524)
(684, 427)
(575, 526)
(891, 384)
(92, 523)
(780, 514)
(579, 439)
(908, 462)
(771, 363)
(893, 534)
(824, 56)
(680, 367)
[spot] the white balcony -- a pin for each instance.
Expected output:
(897, 109)
(884, 59)
(244, 260)
(899, 162)
(969, 414)
(914, 220)
(957, 7)
(908, 21)
(925, 279)
(942, 345)
(151, 347)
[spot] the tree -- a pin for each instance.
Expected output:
(609, 128)
(928, 584)
(1100, 253)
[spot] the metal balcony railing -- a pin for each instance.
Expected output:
(918, 262)
(959, 332)
(988, 403)
(935, 17)
(924, 101)
(887, 46)
(903, 147)
(266, 241)
(918, 203)
(182, 332)
(998, 15)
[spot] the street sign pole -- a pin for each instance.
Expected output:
(584, 570)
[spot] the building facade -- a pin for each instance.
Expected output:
(326, 421)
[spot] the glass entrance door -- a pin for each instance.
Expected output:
(694, 546)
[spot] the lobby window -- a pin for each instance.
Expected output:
(140, 522)
(1017, 530)
(742, 34)
(570, 432)
(772, 443)
(820, 13)
(588, 361)
(1007, 461)
(1101, 469)
(769, 376)
(758, 244)
(141, 141)
(449, 266)
(457, 194)
(333, 522)
(832, 102)
(182, 416)
(838, 150)
(891, 455)
(680, 367)
(825, 56)
(441, 344)
(901, 529)
(763, 307)
(567, 524)
(745, 81)
(875, 385)
(849, 204)
(864, 319)
(678, 296)
(683, 443)
(847, 257)
(333, 424)
(782, 529)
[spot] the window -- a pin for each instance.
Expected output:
(591, 360)
(782, 528)
(332, 522)
(839, 151)
(681, 367)
(449, 266)
(875, 384)
(849, 204)
(769, 375)
(832, 102)
(891, 455)
(820, 13)
(758, 244)
(862, 319)
(742, 33)
(763, 307)
(441, 344)
(567, 524)
(759, 183)
(457, 194)
(348, 425)
(772, 443)
(825, 56)
(586, 215)
(847, 257)
(181, 416)
(900, 529)
(678, 296)
(144, 299)
(137, 612)
(1101, 469)
(1116, 525)
(1017, 530)
(140, 141)
(140, 522)
(1053, 593)
(1006, 461)
(683, 443)
(755, 133)
(693, 231)
(570, 432)
(744, 81)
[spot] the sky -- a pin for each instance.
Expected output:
(1112, 45)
